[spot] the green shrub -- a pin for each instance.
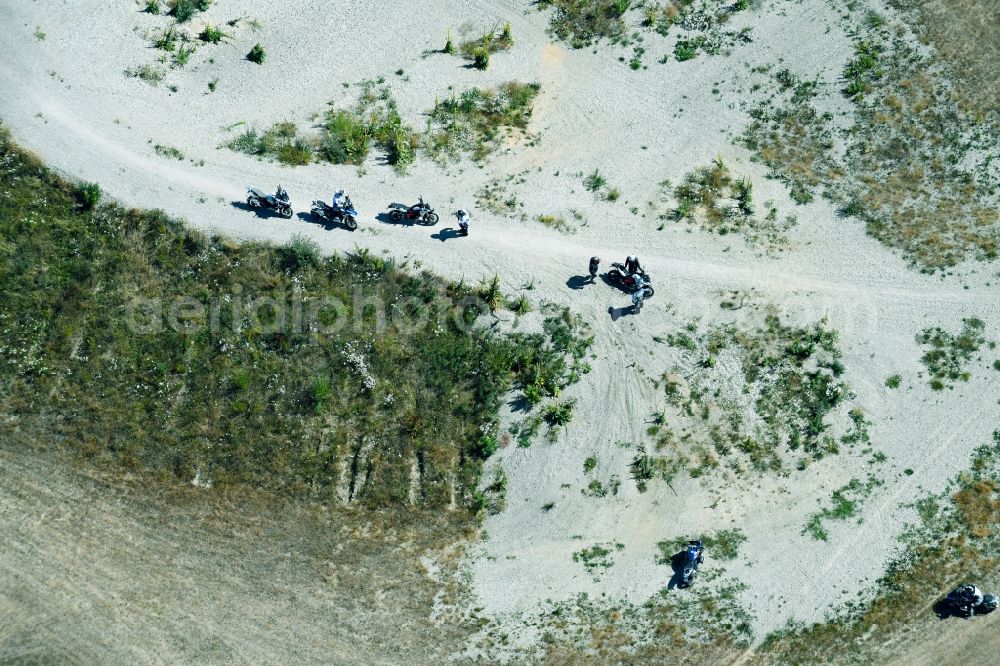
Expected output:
(685, 50)
(893, 381)
(184, 10)
(89, 195)
(257, 54)
(595, 181)
(212, 35)
(152, 7)
(151, 74)
(481, 58)
(346, 140)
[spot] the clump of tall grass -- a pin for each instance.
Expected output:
(477, 120)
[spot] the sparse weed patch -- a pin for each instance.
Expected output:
(719, 545)
(845, 503)
(598, 557)
(479, 120)
(168, 151)
(479, 50)
(184, 10)
(151, 74)
(949, 353)
(257, 54)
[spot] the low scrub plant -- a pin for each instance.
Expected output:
(257, 54)
(184, 10)
(235, 392)
(477, 120)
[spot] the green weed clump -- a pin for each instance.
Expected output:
(949, 353)
(257, 54)
(267, 375)
(349, 134)
(585, 22)
(212, 34)
(478, 120)
(184, 10)
(281, 142)
(480, 49)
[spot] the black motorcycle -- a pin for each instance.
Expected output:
(967, 600)
(278, 202)
(694, 555)
(421, 212)
(346, 214)
(621, 278)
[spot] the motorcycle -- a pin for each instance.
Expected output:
(619, 277)
(694, 555)
(967, 600)
(346, 214)
(642, 291)
(278, 202)
(420, 212)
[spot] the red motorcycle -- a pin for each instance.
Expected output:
(420, 212)
(620, 278)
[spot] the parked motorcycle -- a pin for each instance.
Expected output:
(694, 555)
(421, 212)
(346, 214)
(968, 600)
(619, 277)
(278, 202)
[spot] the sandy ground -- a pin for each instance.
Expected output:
(66, 97)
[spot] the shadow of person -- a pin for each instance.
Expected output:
(579, 281)
(618, 313)
(446, 234)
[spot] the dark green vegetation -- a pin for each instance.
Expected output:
(795, 377)
(950, 353)
(346, 135)
(257, 54)
(478, 120)
(584, 23)
(281, 142)
(184, 10)
(227, 384)
(713, 199)
(720, 545)
(480, 49)
(845, 503)
(598, 556)
(917, 165)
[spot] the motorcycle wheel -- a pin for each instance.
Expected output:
(252, 202)
(649, 291)
(431, 219)
(350, 223)
(286, 213)
(395, 216)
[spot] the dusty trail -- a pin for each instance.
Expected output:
(832, 269)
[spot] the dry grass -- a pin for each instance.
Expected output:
(966, 35)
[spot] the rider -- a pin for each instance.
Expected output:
(696, 551)
(339, 198)
(281, 194)
(463, 220)
(595, 262)
(632, 266)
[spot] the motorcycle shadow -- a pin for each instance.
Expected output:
(579, 281)
(262, 213)
(446, 234)
(313, 219)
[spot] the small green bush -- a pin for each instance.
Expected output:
(685, 50)
(184, 10)
(212, 35)
(257, 54)
(89, 195)
(152, 7)
(481, 58)
(893, 381)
